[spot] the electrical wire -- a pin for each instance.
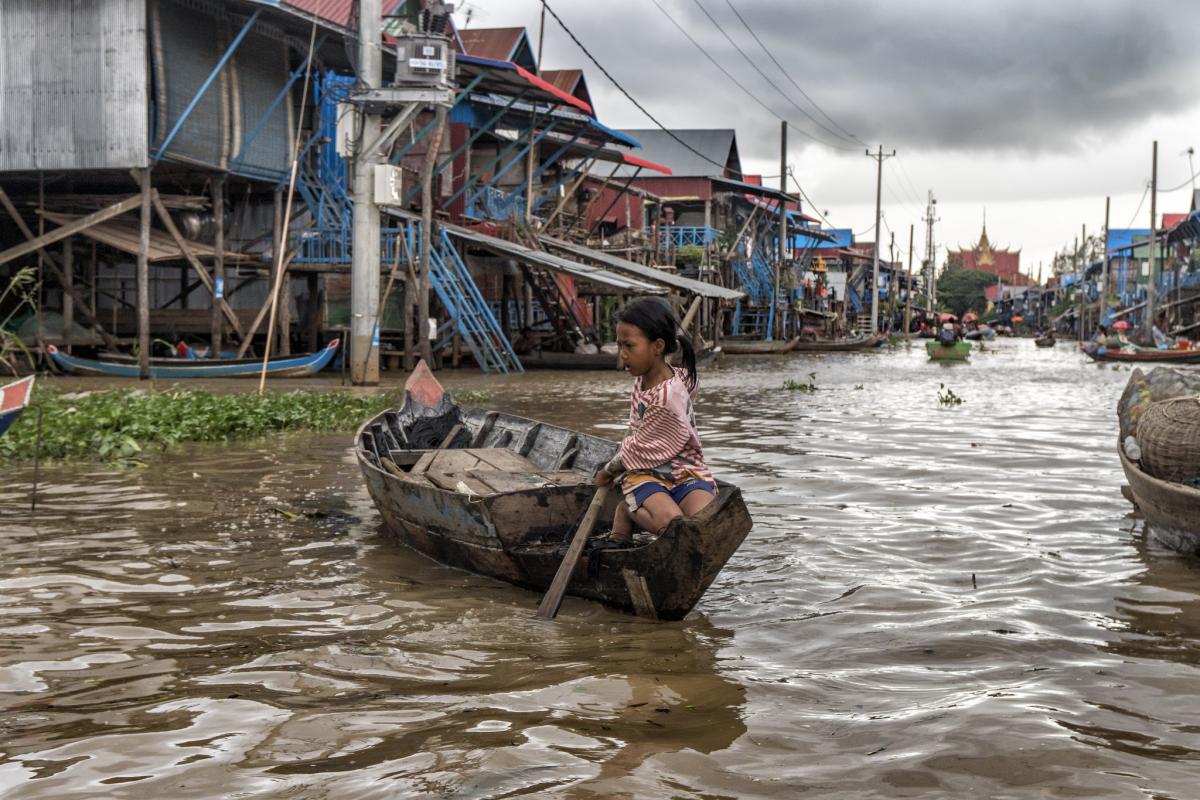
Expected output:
(766, 78)
(623, 91)
(811, 204)
(1189, 182)
(739, 84)
(787, 75)
(1139, 206)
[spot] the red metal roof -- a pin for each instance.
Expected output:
(335, 11)
(499, 44)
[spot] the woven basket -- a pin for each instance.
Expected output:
(1169, 436)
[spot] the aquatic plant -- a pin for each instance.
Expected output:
(22, 287)
(121, 423)
(796, 386)
(947, 397)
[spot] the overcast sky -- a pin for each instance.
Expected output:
(1034, 110)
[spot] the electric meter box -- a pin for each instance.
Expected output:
(423, 60)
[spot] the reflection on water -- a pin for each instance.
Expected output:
(933, 602)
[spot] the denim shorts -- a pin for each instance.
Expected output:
(637, 497)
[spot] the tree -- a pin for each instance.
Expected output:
(962, 289)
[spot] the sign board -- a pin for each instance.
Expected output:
(389, 190)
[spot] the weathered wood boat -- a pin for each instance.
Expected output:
(739, 347)
(1045, 341)
(548, 359)
(1146, 356)
(502, 496)
(840, 345)
(959, 351)
(1171, 510)
(173, 368)
(14, 397)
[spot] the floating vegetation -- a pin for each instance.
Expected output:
(119, 424)
(858, 387)
(796, 386)
(947, 397)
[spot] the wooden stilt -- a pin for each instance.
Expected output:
(218, 273)
(143, 280)
(68, 292)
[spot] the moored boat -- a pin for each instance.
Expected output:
(14, 397)
(1145, 356)
(959, 351)
(839, 345)
(175, 368)
(502, 495)
(1171, 510)
(737, 347)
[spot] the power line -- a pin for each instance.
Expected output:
(787, 75)
(1145, 192)
(915, 195)
(811, 204)
(623, 91)
(757, 69)
(738, 83)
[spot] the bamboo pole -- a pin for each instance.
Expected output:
(281, 265)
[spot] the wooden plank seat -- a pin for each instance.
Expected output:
(481, 471)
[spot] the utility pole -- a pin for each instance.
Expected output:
(364, 270)
(1104, 281)
(908, 291)
(930, 255)
(1081, 254)
(879, 159)
(783, 236)
(1151, 285)
(1078, 287)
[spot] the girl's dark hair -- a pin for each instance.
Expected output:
(654, 317)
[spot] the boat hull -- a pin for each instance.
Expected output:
(840, 345)
(280, 367)
(521, 536)
(740, 348)
(14, 397)
(959, 351)
(1172, 510)
(1146, 357)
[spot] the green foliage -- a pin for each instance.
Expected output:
(690, 255)
(960, 290)
(121, 423)
(858, 387)
(947, 397)
(795, 386)
(22, 287)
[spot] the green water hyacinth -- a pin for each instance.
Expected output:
(123, 423)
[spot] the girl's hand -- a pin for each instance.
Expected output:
(603, 478)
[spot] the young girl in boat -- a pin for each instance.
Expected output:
(663, 465)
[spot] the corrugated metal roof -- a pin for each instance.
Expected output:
(73, 85)
(336, 11)
(498, 43)
(668, 279)
(717, 145)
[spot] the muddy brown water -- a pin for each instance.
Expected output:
(934, 602)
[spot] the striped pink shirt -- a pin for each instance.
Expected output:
(662, 431)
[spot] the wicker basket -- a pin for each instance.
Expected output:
(1169, 436)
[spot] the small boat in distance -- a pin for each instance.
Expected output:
(501, 496)
(1145, 356)
(176, 368)
(739, 347)
(14, 397)
(865, 342)
(959, 351)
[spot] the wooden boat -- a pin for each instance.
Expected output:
(840, 345)
(161, 368)
(1171, 510)
(548, 359)
(503, 498)
(959, 351)
(1045, 341)
(739, 347)
(14, 397)
(1147, 356)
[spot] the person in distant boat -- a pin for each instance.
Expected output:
(1162, 340)
(660, 458)
(947, 335)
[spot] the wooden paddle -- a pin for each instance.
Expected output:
(558, 587)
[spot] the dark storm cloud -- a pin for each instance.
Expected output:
(1051, 76)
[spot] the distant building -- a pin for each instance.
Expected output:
(1005, 264)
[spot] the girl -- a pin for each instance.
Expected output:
(665, 473)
